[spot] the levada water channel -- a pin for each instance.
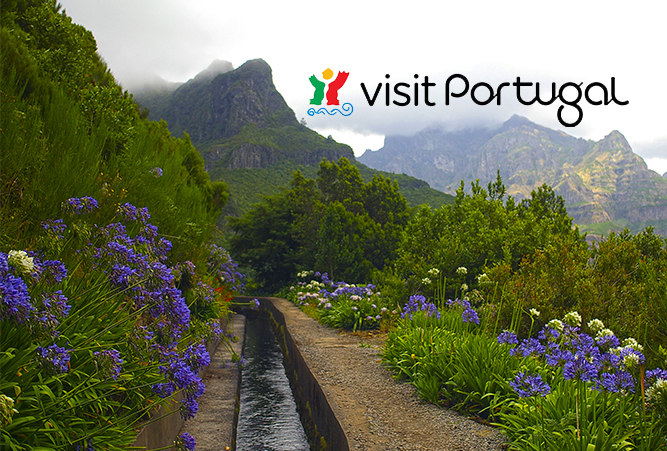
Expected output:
(268, 419)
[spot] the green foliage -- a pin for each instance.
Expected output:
(248, 186)
(265, 241)
(449, 361)
(69, 130)
(451, 364)
(481, 228)
(336, 224)
(622, 273)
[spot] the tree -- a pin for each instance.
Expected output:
(335, 224)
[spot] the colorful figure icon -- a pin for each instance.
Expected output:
(332, 91)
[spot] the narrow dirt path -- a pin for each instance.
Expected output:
(376, 411)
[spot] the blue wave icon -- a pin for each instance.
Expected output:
(346, 110)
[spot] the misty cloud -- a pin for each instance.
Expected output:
(485, 40)
(652, 149)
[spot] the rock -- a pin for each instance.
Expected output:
(237, 119)
(603, 181)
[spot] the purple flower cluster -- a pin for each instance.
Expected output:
(54, 227)
(224, 269)
(135, 263)
(42, 312)
(129, 212)
(653, 375)
(508, 337)
(16, 303)
(79, 205)
(618, 382)
(599, 361)
(527, 385)
(108, 363)
(418, 303)
(51, 271)
(182, 374)
(338, 289)
(528, 347)
(469, 314)
(53, 359)
(156, 172)
(197, 356)
(185, 442)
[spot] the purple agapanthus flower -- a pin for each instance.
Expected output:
(658, 373)
(55, 227)
(197, 356)
(527, 385)
(529, 346)
(108, 362)
(618, 382)
(189, 408)
(54, 359)
(185, 442)
(79, 205)
(548, 334)
(508, 337)
(418, 303)
(580, 368)
(556, 356)
(469, 315)
(53, 271)
(14, 297)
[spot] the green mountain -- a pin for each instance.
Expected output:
(249, 137)
(605, 185)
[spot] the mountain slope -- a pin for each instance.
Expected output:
(605, 185)
(239, 122)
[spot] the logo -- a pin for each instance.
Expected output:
(331, 94)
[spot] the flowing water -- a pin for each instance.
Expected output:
(268, 420)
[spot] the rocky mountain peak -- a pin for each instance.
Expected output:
(517, 121)
(601, 182)
(237, 119)
(216, 68)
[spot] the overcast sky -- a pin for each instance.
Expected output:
(487, 41)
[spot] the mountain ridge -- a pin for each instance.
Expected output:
(605, 185)
(238, 121)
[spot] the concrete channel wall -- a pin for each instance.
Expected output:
(214, 426)
(322, 427)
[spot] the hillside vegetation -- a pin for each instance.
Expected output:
(107, 274)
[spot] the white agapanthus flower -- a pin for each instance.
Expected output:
(556, 324)
(603, 333)
(462, 270)
(21, 261)
(573, 319)
(434, 271)
(534, 312)
(631, 342)
(595, 325)
(631, 360)
(656, 391)
(426, 281)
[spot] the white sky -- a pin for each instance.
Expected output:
(487, 41)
